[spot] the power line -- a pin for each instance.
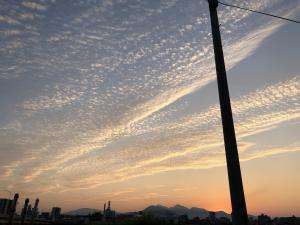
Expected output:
(267, 14)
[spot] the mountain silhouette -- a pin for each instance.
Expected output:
(161, 212)
(81, 212)
(178, 210)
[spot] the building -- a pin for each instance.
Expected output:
(5, 206)
(108, 213)
(29, 211)
(24, 211)
(55, 213)
(35, 210)
(44, 216)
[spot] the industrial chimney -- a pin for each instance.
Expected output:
(24, 210)
(35, 210)
(13, 209)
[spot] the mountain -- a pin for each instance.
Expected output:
(159, 211)
(178, 210)
(220, 214)
(81, 212)
(198, 212)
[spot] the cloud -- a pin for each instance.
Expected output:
(9, 32)
(34, 5)
(8, 20)
(62, 95)
(95, 96)
(118, 193)
(194, 141)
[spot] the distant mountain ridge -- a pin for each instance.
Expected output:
(161, 212)
(81, 212)
(179, 210)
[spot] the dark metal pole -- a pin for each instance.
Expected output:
(238, 203)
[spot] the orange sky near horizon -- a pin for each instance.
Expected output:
(208, 188)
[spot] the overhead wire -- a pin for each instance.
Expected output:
(263, 13)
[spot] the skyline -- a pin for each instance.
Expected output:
(102, 99)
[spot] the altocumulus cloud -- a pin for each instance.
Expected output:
(96, 82)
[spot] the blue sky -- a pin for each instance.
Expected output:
(96, 94)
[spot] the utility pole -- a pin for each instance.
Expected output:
(238, 203)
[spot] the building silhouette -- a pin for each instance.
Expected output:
(24, 211)
(29, 211)
(55, 213)
(5, 205)
(35, 210)
(108, 213)
(12, 209)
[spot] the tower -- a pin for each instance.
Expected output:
(108, 208)
(35, 210)
(104, 211)
(12, 210)
(24, 211)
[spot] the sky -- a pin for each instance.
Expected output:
(117, 100)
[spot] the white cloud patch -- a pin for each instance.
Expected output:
(34, 5)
